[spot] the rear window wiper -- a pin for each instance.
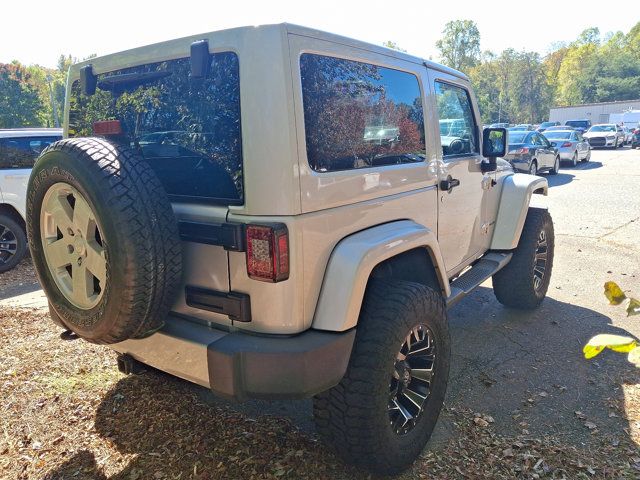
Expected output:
(130, 81)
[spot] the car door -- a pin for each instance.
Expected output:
(462, 184)
(581, 146)
(546, 154)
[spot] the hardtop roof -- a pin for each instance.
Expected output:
(285, 28)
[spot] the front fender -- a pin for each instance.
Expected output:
(514, 204)
(352, 262)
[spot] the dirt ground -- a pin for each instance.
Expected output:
(522, 401)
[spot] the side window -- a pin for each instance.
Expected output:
(457, 125)
(22, 152)
(358, 115)
(536, 140)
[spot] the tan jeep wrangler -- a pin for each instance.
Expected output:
(276, 212)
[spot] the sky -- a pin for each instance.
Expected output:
(38, 31)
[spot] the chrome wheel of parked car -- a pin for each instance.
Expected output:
(72, 245)
(8, 244)
(540, 265)
(533, 168)
(13, 243)
(574, 159)
(410, 383)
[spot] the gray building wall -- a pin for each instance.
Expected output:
(596, 112)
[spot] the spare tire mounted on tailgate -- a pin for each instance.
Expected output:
(103, 239)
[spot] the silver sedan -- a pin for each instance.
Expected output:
(571, 146)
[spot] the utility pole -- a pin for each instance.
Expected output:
(54, 108)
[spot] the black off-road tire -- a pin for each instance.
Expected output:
(514, 285)
(11, 231)
(353, 417)
(138, 230)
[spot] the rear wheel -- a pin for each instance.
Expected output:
(533, 168)
(523, 283)
(574, 159)
(13, 243)
(384, 410)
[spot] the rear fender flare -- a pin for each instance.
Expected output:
(354, 258)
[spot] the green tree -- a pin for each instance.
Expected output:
(393, 45)
(460, 45)
(20, 104)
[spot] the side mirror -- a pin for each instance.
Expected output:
(494, 144)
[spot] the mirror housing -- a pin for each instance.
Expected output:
(88, 80)
(200, 59)
(494, 145)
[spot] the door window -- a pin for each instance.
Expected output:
(457, 125)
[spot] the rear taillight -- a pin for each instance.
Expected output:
(567, 144)
(107, 127)
(521, 151)
(268, 252)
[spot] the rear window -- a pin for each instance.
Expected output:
(577, 123)
(22, 152)
(558, 135)
(517, 137)
(189, 132)
(359, 115)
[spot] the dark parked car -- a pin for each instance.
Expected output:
(635, 139)
(581, 125)
(544, 125)
(531, 152)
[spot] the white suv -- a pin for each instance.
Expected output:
(274, 212)
(19, 149)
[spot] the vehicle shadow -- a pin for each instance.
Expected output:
(591, 165)
(525, 369)
(562, 178)
(528, 366)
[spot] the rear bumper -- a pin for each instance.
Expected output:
(240, 366)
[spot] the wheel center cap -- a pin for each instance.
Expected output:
(79, 246)
(405, 375)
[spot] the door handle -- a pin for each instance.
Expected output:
(449, 184)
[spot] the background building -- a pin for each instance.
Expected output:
(596, 112)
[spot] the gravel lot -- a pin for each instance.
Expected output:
(522, 402)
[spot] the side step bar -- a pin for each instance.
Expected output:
(478, 273)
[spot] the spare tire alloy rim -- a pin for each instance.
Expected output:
(73, 246)
(412, 378)
(8, 244)
(540, 265)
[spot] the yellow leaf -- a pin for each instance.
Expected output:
(633, 308)
(616, 343)
(614, 293)
(634, 356)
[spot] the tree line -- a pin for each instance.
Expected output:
(511, 86)
(520, 86)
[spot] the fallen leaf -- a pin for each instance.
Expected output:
(633, 308)
(614, 293)
(616, 343)
(590, 425)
